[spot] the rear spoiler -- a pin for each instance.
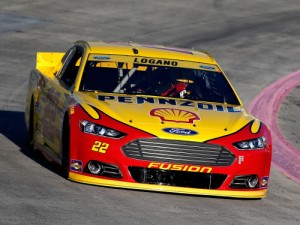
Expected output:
(48, 59)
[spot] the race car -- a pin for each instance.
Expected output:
(146, 117)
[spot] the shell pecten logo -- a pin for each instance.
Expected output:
(174, 115)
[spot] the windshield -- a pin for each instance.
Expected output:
(166, 81)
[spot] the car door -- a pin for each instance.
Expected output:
(57, 95)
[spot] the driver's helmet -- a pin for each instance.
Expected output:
(180, 86)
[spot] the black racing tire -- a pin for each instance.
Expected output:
(65, 147)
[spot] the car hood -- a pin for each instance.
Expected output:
(171, 118)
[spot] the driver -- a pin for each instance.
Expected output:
(179, 89)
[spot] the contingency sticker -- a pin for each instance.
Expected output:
(76, 165)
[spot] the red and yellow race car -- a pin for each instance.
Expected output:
(146, 117)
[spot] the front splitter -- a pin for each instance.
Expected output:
(254, 194)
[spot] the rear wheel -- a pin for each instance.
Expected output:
(66, 147)
(31, 129)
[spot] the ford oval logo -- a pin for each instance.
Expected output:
(207, 67)
(179, 131)
(102, 57)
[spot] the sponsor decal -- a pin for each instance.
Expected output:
(179, 131)
(72, 110)
(101, 57)
(52, 95)
(174, 115)
(264, 182)
(37, 107)
(76, 165)
(180, 167)
(42, 82)
(241, 159)
(207, 67)
(173, 102)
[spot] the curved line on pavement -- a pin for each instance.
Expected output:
(265, 106)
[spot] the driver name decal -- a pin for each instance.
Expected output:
(161, 62)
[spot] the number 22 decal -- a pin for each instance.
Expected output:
(100, 147)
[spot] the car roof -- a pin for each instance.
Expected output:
(143, 50)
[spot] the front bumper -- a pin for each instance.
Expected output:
(86, 148)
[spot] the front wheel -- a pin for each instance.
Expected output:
(66, 147)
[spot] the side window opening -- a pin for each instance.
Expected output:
(70, 67)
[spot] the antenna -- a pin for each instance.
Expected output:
(130, 41)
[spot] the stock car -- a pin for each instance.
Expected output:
(146, 117)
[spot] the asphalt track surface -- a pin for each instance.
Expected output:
(256, 42)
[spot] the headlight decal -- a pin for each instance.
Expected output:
(253, 144)
(97, 129)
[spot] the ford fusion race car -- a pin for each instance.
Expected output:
(146, 117)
